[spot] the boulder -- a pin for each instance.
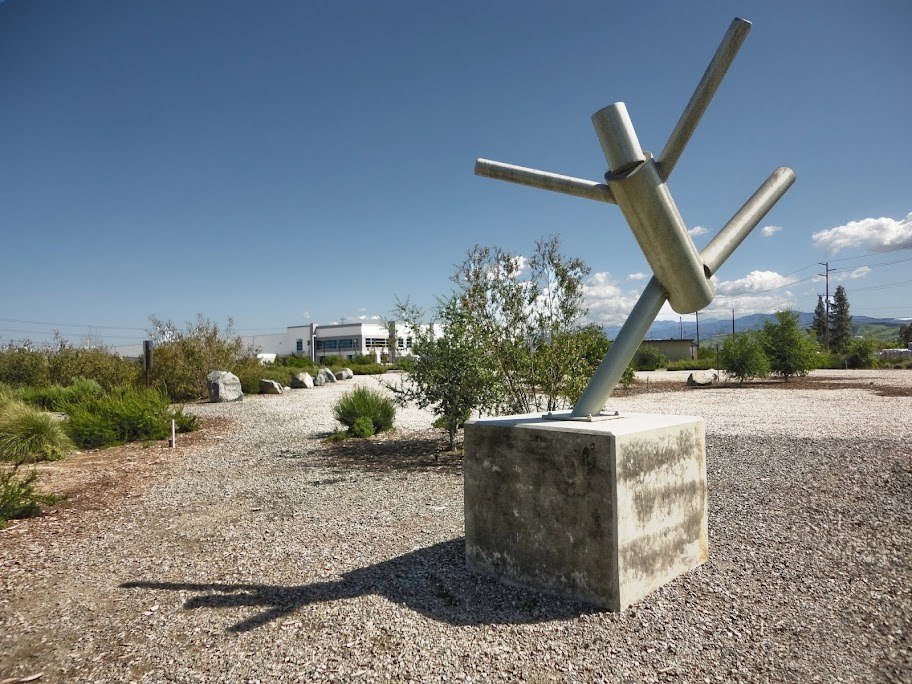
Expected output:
(340, 375)
(347, 374)
(302, 381)
(270, 387)
(328, 375)
(224, 386)
(703, 378)
(319, 381)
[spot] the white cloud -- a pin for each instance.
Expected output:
(637, 276)
(697, 230)
(754, 282)
(306, 315)
(368, 318)
(608, 303)
(873, 234)
(769, 231)
(859, 272)
(757, 292)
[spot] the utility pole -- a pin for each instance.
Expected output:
(697, 314)
(681, 323)
(733, 320)
(826, 274)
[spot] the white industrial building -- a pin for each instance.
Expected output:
(319, 342)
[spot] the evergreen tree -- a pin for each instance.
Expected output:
(840, 321)
(820, 325)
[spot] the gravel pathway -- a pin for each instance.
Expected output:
(268, 555)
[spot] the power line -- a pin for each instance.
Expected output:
(68, 325)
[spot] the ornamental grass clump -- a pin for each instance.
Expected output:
(29, 435)
(126, 414)
(361, 405)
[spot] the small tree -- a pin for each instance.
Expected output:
(820, 325)
(448, 374)
(861, 353)
(520, 311)
(905, 334)
(840, 321)
(743, 358)
(789, 351)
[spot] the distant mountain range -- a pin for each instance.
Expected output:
(879, 328)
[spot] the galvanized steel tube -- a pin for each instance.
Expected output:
(650, 210)
(568, 185)
(746, 218)
(621, 352)
(703, 95)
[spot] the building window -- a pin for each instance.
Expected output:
(299, 345)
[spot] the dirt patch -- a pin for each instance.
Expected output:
(94, 479)
(415, 451)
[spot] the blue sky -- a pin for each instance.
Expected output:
(282, 162)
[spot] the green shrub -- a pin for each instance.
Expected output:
(22, 365)
(57, 398)
(28, 435)
(18, 496)
(362, 427)
(628, 377)
(368, 369)
(183, 358)
(250, 375)
(743, 357)
(68, 364)
(185, 422)
(789, 350)
(648, 358)
(126, 414)
(362, 402)
(295, 362)
(862, 353)
(691, 364)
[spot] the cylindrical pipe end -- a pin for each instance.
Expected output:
(618, 138)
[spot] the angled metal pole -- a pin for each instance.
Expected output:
(653, 298)
(568, 185)
(703, 95)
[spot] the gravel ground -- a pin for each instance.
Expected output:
(264, 554)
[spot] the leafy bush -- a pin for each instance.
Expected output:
(691, 364)
(295, 362)
(68, 364)
(183, 358)
(648, 358)
(124, 415)
(57, 398)
(742, 356)
(18, 496)
(363, 427)
(363, 403)
(862, 353)
(21, 364)
(368, 368)
(60, 363)
(185, 422)
(28, 435)
(789, 350)
(628, 377)
(250, 375)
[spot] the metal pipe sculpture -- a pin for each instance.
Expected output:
(636, 183)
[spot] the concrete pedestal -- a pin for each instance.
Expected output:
(604, 512)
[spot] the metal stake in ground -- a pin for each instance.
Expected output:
(636, 183)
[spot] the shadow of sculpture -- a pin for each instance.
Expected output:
(433, 581)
